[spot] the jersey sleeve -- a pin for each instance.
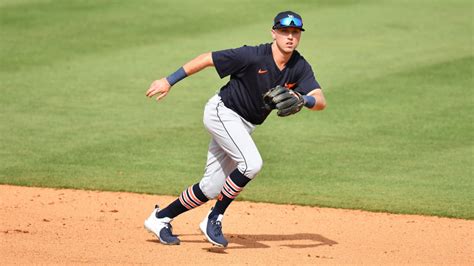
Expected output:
(231, 61)
(307, 81)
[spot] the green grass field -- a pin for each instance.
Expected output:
(398, 77)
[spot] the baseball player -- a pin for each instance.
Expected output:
(262, 78)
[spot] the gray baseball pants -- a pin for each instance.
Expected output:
(231, 147)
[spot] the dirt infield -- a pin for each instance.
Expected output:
(41, 225)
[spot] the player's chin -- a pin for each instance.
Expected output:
(289, 49)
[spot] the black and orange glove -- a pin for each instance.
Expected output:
(287, 102)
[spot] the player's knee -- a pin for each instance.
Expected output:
(253, 167)
(210, 189)
(212, 194)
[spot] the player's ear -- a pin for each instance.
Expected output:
(273, 34)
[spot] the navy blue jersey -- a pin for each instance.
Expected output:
(253, 72)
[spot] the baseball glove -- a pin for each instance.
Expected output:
(287, 102)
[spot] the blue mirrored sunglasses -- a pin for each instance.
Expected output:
(287, 22)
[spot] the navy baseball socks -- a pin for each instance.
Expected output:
(211, 226)
(159, 221)
(190, 198)
(234, 184)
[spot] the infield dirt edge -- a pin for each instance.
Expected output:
(43, 225)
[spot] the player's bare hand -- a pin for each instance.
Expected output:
(158, 87)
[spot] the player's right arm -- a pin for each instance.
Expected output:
(163, 86)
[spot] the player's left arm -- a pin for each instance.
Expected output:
(319, 99)
(309, 87)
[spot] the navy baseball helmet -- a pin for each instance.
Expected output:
(288, 19)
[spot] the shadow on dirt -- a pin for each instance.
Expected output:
(255, 241)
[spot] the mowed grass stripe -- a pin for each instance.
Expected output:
(73, 113)
(400, 153)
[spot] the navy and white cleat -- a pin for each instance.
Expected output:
(212, 229)
(161, 228)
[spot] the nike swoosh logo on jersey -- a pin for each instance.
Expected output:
(261, 71)
(290, 85)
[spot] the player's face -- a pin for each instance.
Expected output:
(287, 39)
